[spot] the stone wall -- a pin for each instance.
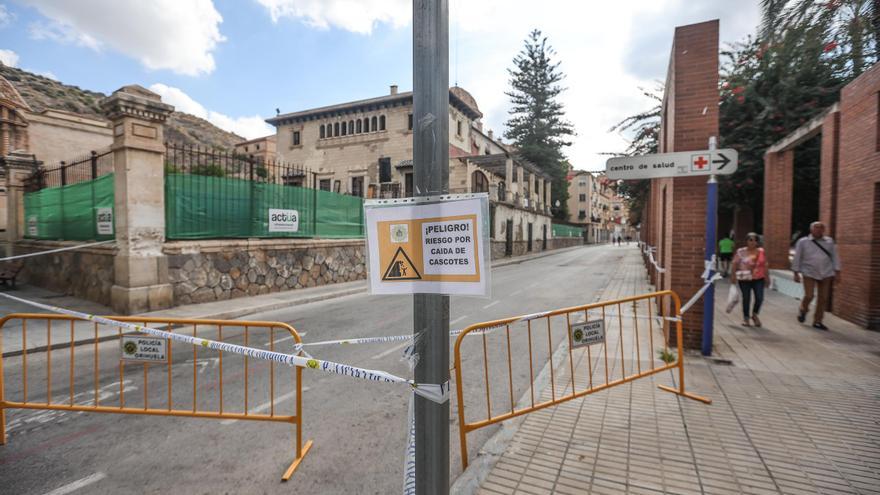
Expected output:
(206, 271)
(86, 273)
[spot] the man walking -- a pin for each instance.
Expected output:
(815, 259)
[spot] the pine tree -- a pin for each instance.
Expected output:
(537, 125)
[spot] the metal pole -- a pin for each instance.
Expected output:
(711, 218)
(431, 168)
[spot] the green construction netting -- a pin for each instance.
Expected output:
(69, 212)
(206, 207)
(560, 230)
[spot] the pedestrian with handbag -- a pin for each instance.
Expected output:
(816, 262)
(749, 270)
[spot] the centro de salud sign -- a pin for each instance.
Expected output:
(683, 164)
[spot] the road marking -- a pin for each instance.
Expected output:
(391, 351)
(76, 485)
(493, 303)
(453, 322)
(266, 405)
(516, 292)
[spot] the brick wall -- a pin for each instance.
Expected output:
(690, 119)
(829, 172)
(858, 234)
(778, 176)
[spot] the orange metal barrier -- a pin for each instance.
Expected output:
(632, 350)
(78, 370)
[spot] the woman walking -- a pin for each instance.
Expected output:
(750, 271)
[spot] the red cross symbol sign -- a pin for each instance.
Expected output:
(699, 162)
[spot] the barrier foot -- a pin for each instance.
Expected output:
(704, 400)
(295, 463)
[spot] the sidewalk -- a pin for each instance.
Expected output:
(222, 310)
(795, 411)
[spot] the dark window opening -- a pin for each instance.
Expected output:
(357, 186)
(366, 124)
(409, 122)
(458, 127)
(336, 129)
(408, 185)
(358, 127)
(351, 127)
(322, 132)
(344, 129)
(295, 138)
(373, 123)
(324, 184)
(384, 169)
(479, 182)
(582, 197)
(381, 122)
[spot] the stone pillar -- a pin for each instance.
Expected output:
(548, 204)
(778, 182)
(533, 194)
(18, 167)
(520, 185)
(141, 269)
(542, 198)
(508, 179)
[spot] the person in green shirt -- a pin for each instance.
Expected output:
(725, 254)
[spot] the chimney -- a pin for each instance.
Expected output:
(393, 89)
(491, 134)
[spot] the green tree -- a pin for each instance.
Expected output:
(645, 129)
(851, 28)
(537, 125)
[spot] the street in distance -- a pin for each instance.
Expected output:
(683, 164)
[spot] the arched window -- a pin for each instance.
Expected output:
(351, 127)
(323, 134)
(381, 122)
(479, 182)
(336, 129)
(373, 123)
(366, 124)
(359, 128)
(344, 128)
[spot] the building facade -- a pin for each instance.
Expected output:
(263, 148)
(364, 148)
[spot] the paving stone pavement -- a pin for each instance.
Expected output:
(796, 411)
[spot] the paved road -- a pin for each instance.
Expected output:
(358, 427)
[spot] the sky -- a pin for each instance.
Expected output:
(234, 62)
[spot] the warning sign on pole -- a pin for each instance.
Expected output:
(429, 246)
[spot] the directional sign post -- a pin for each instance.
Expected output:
(683, 164)
(709, 162)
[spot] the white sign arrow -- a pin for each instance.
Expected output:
(682, 164)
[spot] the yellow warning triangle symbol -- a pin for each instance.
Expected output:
(401, 268)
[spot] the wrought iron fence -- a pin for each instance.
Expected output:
(81, 169)
(218, 194)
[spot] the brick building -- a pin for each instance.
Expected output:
(674, 219)
(850, 165)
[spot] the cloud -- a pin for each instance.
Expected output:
(250, 127)
(9, 58)
(44, 73)
(6, 17)
(180, 36)
(358, 16)
(593, 41)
